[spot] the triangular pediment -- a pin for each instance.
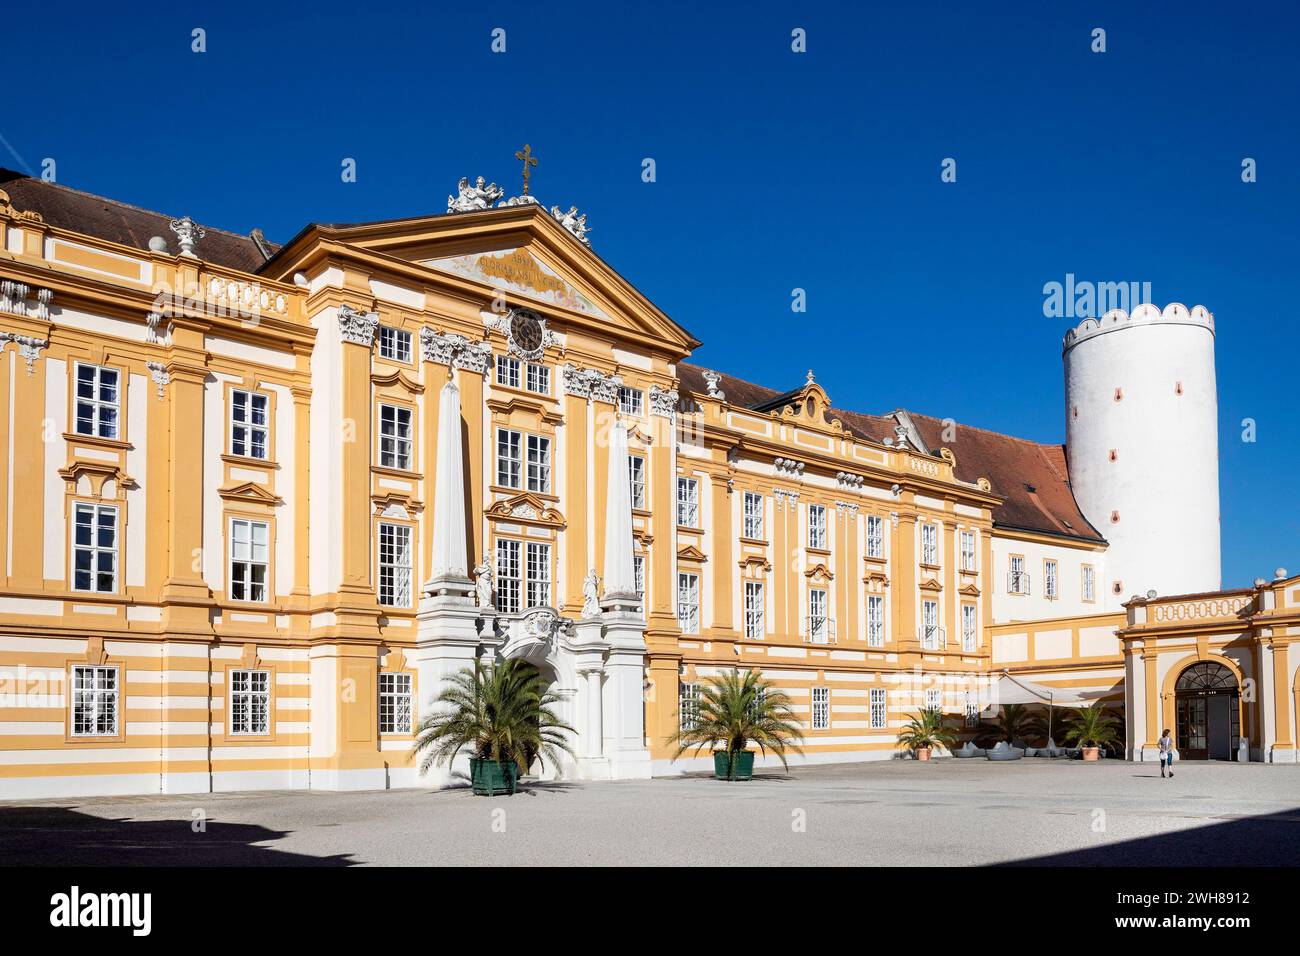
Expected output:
(521, 272)
(250, 491)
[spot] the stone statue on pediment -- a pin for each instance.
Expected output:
(472, 198)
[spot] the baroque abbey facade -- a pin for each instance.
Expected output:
(260, 500)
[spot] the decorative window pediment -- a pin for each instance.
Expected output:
(819, 572)
(692, 553)
(970, 590)
(400, 379)
(250, 491)
(98, 473)
(930, 584)
(527, 508)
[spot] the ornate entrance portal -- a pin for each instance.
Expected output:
(1208, 712)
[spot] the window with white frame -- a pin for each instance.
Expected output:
(394, 344)
(754, 610)
(394, 703)
(509, 576)
(931, 635)
(510, 458)
(94, 548)
(879, 715)
(876, 620)
(821, 708)
(249, 424)
(969, 636)
(638, 578)
(630, 400)
(250, 702)
(94, 701)
(875, 536)
(1049, 580)
(819, 625)
(929, 544)
(968, 550)
(539, 464)
(99, 401)
(636, 480)
(250, 558)
(688, 705)
(1018, 578)
(972, 710)
(933, 698)
(688, 602)
(538, 575)
(688, 502)
(753, 515)
(394, 564)
(817, 526)
(507, 371)
(1089, 583)
(756, 702)
(395, 437)
(538, 379)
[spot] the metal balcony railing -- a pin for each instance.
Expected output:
(1017, 582)
(932, 637)
(819, 630)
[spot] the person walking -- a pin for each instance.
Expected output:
(1166, 746)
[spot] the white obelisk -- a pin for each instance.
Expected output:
(450, 565)
(620, 577)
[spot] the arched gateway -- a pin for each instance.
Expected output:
(1207, 712)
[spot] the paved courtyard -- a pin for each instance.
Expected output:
(951, 812)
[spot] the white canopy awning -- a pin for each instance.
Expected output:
(1017, 690)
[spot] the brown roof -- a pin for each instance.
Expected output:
(1032, 477)
(119, 222)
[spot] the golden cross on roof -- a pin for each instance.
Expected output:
(528, 159)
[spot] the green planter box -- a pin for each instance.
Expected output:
(744, 766)
(490, 777)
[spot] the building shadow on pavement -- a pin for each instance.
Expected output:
(1269, 840)
(62, 836)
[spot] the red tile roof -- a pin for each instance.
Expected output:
(1032, 477)
(119, 222)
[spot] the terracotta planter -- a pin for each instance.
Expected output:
(922, 753)
(1091, 753)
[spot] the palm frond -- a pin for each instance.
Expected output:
(735, 709)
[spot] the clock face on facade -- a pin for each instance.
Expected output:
(526, 332)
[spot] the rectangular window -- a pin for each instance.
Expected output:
(249, 424)
(688, 602)
(507, 371)
(879, 715)
(250, 702)
(968, 550)
(1089, 583)
(249, 559)
(99, 401)
(821, 708)
(819, 625)
(538, 379)
(688, 705)
(875, 620)
(875, 536)
(94, 701)
(630, 400)
(933, 698)
(931, 633)
(969, 636)
(929, 544)
(539, 464)
(972, 711)
(510, 459)
(509, 576)
(753, 515)
(1049, 580)
(817, 526)
(636, 480)
(688, 502)
(638, 576)
(539, 575)
(394, 564)
(94, 548)
(1018, 578)
(394, 703)
(394, 344)
(754, 610)
(395, 437)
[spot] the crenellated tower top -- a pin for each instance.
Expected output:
(1175, 313)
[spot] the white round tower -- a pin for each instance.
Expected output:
(1142, 438)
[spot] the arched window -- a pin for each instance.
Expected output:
(1206, 675)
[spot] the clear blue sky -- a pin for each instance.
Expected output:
(775, 171)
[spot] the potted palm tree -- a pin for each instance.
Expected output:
(1093, 728)
(1014, 723)
(734, 710)
(924, 732)
(502, 716)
